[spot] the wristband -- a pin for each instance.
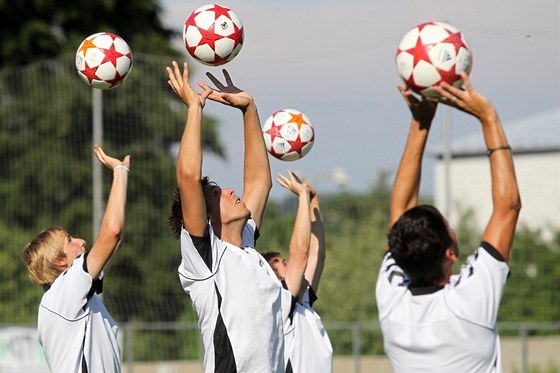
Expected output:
(121, 166)
(489, 151)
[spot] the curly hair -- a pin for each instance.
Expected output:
(175, 219)
(418, 241)
(41, 253)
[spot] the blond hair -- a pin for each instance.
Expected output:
(41, 254)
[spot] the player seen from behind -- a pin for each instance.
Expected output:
(434, 321)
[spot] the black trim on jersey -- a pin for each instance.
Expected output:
(312, 296)
(204, 248)
(424, 290)
(224, 360)
(289, 368)
(492, 251)
(292, 305)
(96, 285)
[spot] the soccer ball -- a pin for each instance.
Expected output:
(213, 34)
(103, 60)
(432, 53)
(288, 134)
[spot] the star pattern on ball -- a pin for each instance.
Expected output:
(209, 37)
(87, 44)
(419, 52)
(111, 55)
(297, 119)
(456, 39)
(116, 80)
(274, 131)
(89, 72)
(219, 11)
(297, 144)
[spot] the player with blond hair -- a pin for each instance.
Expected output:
(75, 329)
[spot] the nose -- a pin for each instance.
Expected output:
(228, 191)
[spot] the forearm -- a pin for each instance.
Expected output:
(407, 180)
(189, 159)
(256, 166)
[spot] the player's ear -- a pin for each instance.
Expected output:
(451, 255)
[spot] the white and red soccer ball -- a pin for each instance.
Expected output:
(103, 60)
(213, 34)
(432, 53)
(288, 134)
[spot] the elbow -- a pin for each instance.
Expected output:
(187, 174)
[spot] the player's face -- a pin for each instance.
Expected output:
(279, 266)
(73, 247)
(225, 204)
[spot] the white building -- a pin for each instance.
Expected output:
(535, 141)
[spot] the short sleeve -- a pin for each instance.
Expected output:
(475, 295)
(391, 282)
(69, 293)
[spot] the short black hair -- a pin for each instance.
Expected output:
(418, 241)
(269, 255)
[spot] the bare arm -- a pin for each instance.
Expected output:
(189, 160)
(299, 242)
(317, 254)
(257, 181)
(112, 224)
(505, 193)
(407, 181)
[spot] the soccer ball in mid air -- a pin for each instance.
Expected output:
(432, 53)
(103, 60)
(288, 134)
(213, 34)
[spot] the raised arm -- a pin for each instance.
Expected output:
(189, 160)
(301, 235)
(505, 193)
(317, 254)
(257, 181)
(407, 181)
(112, 224)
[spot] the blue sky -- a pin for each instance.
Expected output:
(334, 60)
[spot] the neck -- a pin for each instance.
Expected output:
(231, 232)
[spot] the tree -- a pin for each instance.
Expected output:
(46, 148)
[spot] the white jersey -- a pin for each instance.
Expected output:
(74, 326)
(308, 348)
(238, 301)
(451, 329)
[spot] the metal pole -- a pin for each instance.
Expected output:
(447, 159)
(356, 347)
(97, 114)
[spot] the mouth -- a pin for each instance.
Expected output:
(238, 201)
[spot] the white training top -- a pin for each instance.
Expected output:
(308, 348)
(452, 329)
(238, 300)
(72, 328)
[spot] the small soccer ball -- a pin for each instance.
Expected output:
(432, 53)
(103, 60)
(213, 34)
(288, 134)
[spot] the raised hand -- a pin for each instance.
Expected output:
(293, 183)
(229, 94)
(108, 161)
(181, 86)
(467, 100)
(422, 110)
